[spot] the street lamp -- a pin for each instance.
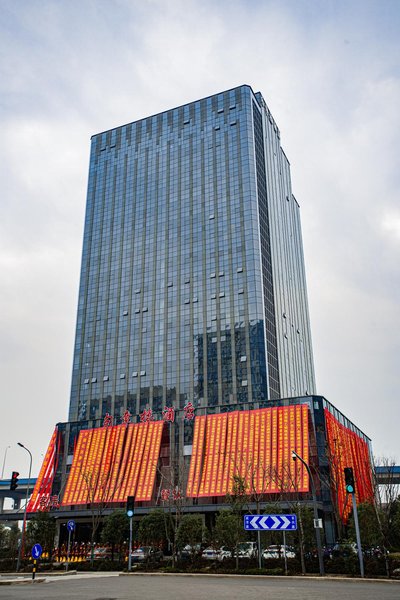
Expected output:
(314, 495)
(4, 461)
(26, 505)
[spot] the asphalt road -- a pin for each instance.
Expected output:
(154, 587)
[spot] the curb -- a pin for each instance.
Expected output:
(288, 578)
(22, 581)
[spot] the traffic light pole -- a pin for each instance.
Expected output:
(130, 544)
(357, 528)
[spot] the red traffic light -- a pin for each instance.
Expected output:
(14, 480)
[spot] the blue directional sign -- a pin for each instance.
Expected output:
(270, 522)
(37, 551)
(71, 525)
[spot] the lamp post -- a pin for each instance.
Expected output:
(4, 460)
(314, 495)
(26, 506)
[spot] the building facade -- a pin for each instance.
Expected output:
(193, 360)
(192, 283)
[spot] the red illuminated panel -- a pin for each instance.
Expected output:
(347, 449)
(197, 457)
(256, 445)
(44, 481)
(111, 463)
(231, 450)
(149, 464)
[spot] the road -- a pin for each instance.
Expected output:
(172, 587)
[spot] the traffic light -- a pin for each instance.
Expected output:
(349, 480)
(130, 502)
(14, 480)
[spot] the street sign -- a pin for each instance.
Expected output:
(318, 524)
(270, 522)
(37, 551)
(71, 525)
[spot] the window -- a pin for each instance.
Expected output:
(105, 378)
(134, 374)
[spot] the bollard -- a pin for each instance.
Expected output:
(34, 569)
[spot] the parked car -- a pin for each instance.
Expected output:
(276, 551)
(210, 553)
(99, 554)
(247, 550)
(147, 553)
(216, 553)
(189, 551)
(225, 553)
(344, 549)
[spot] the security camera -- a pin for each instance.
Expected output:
(294, 455)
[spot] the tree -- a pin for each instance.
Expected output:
(229, 531)
(173, 482)
(190, 531)
(14, 536)
(3, 536)
(369, 525)
(287, 478)
(115, 530)
(387, 507)
(41, 530)
(99, 496)
(152, 528)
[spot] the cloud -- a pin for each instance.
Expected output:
(330, 74)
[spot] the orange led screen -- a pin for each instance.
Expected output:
(255, 445)
(347, 449)
(112, 463)
(46, 475)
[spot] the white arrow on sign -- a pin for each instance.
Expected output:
(276, 522)
(286, 522)
(254, 521)
(263, 522)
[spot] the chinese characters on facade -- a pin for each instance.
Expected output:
(168, 415)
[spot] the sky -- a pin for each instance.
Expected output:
(330, 74)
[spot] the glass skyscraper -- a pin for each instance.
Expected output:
(192, 284)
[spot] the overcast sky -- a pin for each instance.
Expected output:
(329, 72)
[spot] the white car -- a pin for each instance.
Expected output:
(216, 553)
(278, 552)
(247, 549)
(210, 553)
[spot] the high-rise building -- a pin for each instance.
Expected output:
(192, 283)
(193, 360)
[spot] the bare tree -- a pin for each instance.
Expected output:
(287, 478)
(387, 498)
(172, 498)
(99, 496)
